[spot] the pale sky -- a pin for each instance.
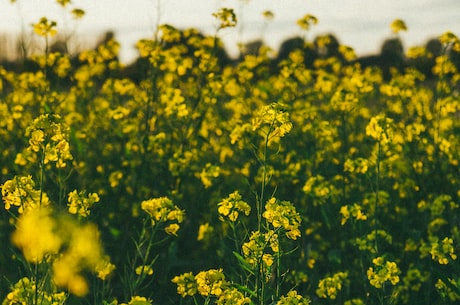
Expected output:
(361, 24)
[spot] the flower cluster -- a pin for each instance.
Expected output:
(207, 283)
(441, 251)
(382, 272)
(70, 247)
(23, 292)
(354, 211)
(80, 204)
(48, 136)
(283, 215)
(22, 193)
(260, 249)
(293, 298)
(231, 207)
(330, 286)
(163, 210)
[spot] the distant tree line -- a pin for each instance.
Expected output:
(15, 56)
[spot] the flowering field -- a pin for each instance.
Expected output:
(203, 181)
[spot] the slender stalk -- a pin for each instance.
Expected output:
(377, 190)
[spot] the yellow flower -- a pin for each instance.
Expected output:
(210, 282)
(186, 284)
(293, 298)
(144, 269)
(380, 128)
(20, 191)
(137, 300)
(230, 207)
(80, 204)
(382, 272)
(282, 214)
(232, 296)
(105, 268)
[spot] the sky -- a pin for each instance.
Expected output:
(361, 24)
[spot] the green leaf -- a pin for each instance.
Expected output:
(243, 263)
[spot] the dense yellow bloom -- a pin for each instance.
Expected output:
(282, 214)
(49, 135)
(380, 128)
(272, 121)
(257, 250)
(210, 282)
(384, 271)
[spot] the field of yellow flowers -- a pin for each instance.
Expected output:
(208, 182)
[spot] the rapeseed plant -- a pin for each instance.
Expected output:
(300, 177)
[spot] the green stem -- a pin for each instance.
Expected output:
(377, 190)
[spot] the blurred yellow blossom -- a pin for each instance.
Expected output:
(226, 17)
(398, 25)
(37, 244)
(45, 27)
(329, 287)
(307, 21)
